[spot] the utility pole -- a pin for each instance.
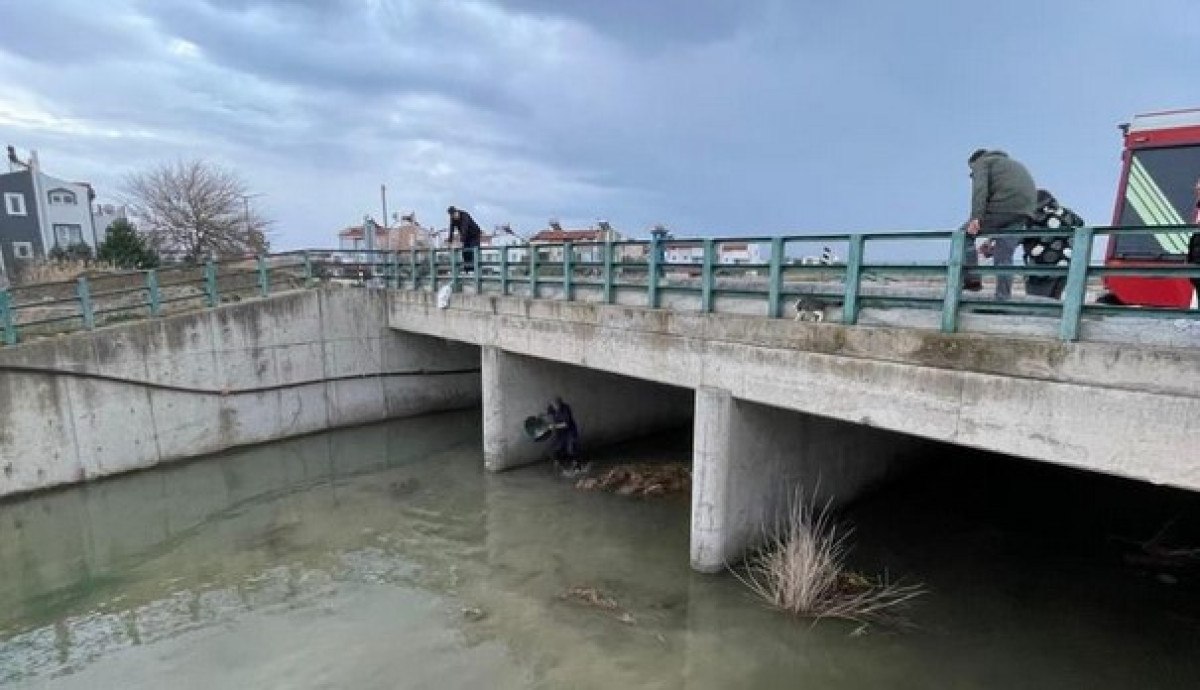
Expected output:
(246, 212)
(383, 200)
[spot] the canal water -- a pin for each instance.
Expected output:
(384, 557)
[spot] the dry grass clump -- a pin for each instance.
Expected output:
(801, 570)
(37, 272)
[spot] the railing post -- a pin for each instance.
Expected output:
(84, 291)
(707, 275)
(609, 288)
(567, 268)
(412, 267)
(264, 280)
(152, 288)
(308, 270)
(1075, 291)
(6, 318)
(210, 283)
(533, 269)
(853, 280)
(652, 274)
(477, 260)
(504, 270)
(455, 285)
(432, 269)
(775, 276)
(954, 282)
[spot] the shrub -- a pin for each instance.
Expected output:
(123, 247)
(78, 252)
(801, 570)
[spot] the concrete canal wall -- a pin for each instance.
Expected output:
(128, 397)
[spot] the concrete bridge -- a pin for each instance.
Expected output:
(224, 359)
(778, 404)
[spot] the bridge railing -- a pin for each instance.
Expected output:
(98, 299)
(702, 274)
(775, 270)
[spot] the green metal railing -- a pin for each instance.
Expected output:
(616, 270)
(99, 299)
(710, 271)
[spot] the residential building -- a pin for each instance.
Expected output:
(20, 230)
(104, 215)
(683, 253)
(592, 241)
(503, 236)
(68, 208)
(39, 212)
(409, 234)
(353, 238)
(730, 253)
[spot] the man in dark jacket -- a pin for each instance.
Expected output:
(1003, 199)
(565, 441)
(1049, 249)
(468, 231)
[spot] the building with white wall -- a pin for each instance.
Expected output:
(104, 215)
(39, 212)
(68, 213)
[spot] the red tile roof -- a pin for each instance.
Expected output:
(356, 232)
(568, 236)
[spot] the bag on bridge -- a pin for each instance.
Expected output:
(1049, 249)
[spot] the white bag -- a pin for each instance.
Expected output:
(443, 297)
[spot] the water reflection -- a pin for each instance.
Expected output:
(92, 570)
(384, 557)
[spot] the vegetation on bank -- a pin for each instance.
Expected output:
(801, 569)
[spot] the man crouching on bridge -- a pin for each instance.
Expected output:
(1003, 199)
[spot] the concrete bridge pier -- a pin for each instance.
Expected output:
(750, 459)
(609, 408)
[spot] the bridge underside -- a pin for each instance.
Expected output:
(748, 459)
(1097, 407)
(609, 408)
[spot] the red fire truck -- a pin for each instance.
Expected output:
(1160, 185)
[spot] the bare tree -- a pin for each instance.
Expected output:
(196, 209)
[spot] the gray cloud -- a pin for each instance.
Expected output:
(759, 116)
(650, 26)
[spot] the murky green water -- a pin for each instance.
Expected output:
(384, 557)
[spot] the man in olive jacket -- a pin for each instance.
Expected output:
(1003, 199)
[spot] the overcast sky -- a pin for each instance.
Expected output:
(712, 116)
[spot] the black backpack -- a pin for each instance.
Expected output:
(1050, 250)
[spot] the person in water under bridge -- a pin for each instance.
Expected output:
(564, 443)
